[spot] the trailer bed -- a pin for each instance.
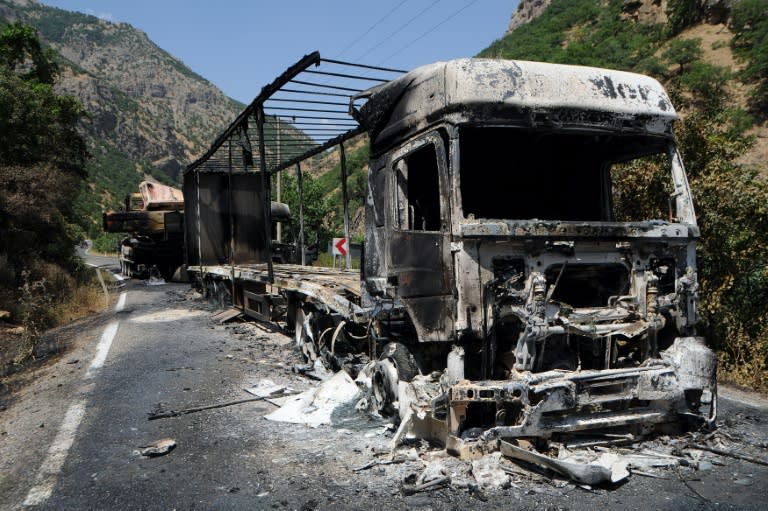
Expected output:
(336, 289)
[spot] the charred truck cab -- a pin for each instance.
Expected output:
(521, 281)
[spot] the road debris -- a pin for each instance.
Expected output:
(431, 485)
(376, 463)
(605, 469)
(730, 454)
(488, 473)
(227, 315)
(315, 406)
(164, 414)
(267, 389)
(314, 370)
(158, 447)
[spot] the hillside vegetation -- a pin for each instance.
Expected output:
(42, 166)
(720, 105)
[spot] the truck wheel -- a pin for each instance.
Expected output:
(401, 358)
(223, 294)
(303, 334)
(396, 363)
(385, 393)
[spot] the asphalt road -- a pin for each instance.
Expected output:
(72, 431)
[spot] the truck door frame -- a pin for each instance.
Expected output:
(420, 263)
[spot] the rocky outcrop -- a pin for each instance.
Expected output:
(527, 10)
(646, 11)
(642, 11)
(717, 11)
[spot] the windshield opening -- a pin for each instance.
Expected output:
(523, 174)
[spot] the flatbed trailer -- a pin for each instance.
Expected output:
(512, 285)
(337, 290)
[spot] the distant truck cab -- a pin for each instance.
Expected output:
(154, 221)
(503, 248)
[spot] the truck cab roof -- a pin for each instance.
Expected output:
(528, 93)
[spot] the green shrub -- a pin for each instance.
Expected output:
(749, 24)
(683, 14)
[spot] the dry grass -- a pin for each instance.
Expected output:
(49, 298)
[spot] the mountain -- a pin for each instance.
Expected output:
(148, 112)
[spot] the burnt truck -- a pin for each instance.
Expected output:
(497, 252)
(153, 221)
(516, 281)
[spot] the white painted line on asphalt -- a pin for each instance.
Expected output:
(57, 454)
(102, 349)
(120, 302)
(118, 277)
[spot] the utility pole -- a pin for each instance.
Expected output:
(279, 224)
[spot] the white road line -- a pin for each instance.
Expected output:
(121, 302)
(57, 453)
(102, 349)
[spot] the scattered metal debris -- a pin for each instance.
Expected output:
(164, 414)
(488, 472)
(268, 389)
(376, 463)
(730, 454)
(583, 473)
(227, 315)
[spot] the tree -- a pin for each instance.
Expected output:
(42, 166)
(749, 23)
(684, 13)
(20, 47)
(317, 208)
(683, 52)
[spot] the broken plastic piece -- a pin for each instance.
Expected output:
(158, 447)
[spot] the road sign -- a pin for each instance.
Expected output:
(340, 246)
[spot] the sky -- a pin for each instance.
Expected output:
(242, 45)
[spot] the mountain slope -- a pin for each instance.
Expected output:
(148, 112)
(643, 36)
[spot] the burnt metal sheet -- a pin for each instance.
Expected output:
(417, 263)
(213, 222)
(250, 243)
(192, 225)
(555, 229)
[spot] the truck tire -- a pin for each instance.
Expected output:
(395, 363)
(385, 387)
(402, 360)
(303, 334)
